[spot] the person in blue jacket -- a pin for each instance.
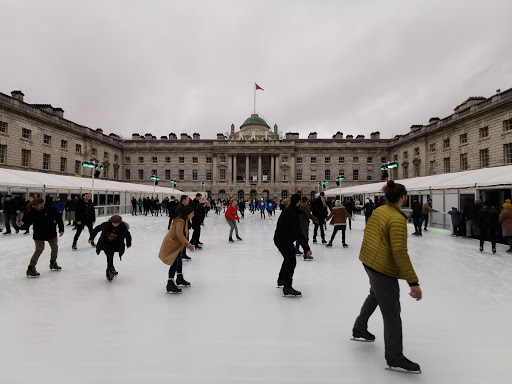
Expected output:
(262, 207)
(252, 206)
(59, 205)
(270, 208)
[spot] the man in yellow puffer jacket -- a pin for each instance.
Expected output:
(385, 260)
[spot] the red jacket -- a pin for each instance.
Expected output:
(231, 213)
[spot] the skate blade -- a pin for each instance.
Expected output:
(401, 370)
(171, 292)
(56, 270)
(33, 277)
(362, 340)
(292, 295)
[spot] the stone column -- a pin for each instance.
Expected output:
(272, 169)
(260, 173)
(234, 169)
(292, 168)
(229, 173)
(247, 160)
(214, 170)
(278, 169)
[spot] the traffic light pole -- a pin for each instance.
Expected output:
(92, 190)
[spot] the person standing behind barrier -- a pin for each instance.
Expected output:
(140, 203)
(85, 217)
(134, 206)
(45, 219)
(320, 211)
(488, 223)
(231, 218)
(505, 219)
(385, 260)
(456, 221)
(11, 211)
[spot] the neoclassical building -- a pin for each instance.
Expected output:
(256, 160)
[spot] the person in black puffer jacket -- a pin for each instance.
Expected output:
(114, 232)
(488, 221)
(44, 218)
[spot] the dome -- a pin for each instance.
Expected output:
(255, 120)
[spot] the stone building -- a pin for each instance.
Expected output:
(256, 160)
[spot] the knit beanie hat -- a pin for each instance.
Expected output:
(507, 204)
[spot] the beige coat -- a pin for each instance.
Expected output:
(339, 216)
(174, 242)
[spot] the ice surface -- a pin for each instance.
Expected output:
(233, 326)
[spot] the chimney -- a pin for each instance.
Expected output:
(99, 130)
(375, 135)
(172, 136)
(163, 138)
(338, 135)
(292, 136)
(58, 112)
(275, 129)
(18, 95)
(416, 127)
(312, 136)
(433, 120)
(220, 136)
(184, 136)
(135, 136)
(197, 136)
(350, 136)
(360, 137)
(232, 129)
(148, 136)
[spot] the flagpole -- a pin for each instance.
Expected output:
(254, 98)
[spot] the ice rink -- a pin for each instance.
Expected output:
(233, 326)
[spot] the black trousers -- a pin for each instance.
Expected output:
(289, 262)
(176, 267)
(80, 228)
(417, 224)
(110, 257)
(385, 293)
(487, 234)
(320, 224)
(134, 209)
(196, 234)
(425, 220)
(337, 228)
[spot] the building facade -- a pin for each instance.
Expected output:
(256, 160)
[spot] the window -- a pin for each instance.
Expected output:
(208, 160)
(127, 174)
(105, 171)
(463, 138)
(194, 175)
(327, 160)
(26, 133)
(64, 144)
(168, 160)
(141, 174)
(284, 194)
(93, 151)
(141, 160)
(369, 160)
(507, 125)
(63, 164)
(222, 174)
(507, 151)
(341, 173)
(355, 174)
(416, 169)
(484, 158)
(154, 172)
(3, 127)
(181, 174)
(116, 158)
(241, 160)
(285, 159)
(78, 167)
(432, 167)
(3, 154)
(405, 170)
(167, 174)
(116, 173)
(355, 160)
(432, 148)
(446, 143)
(395, 157)
(181, 160)
(223, 159)
(313, 160)
(313, 177)
(298, 176)
(127, 160)
(383, 160)
(195, 160)
(46, 161)
(483, 132)
(417, 151)
(154, 160)
(299, 160)
(406, 155)
(327, 174)
(266, 160)
(446, 165)
(369, 177)
(285, 176)
(463, 161)
(208, 175)
(105, 155)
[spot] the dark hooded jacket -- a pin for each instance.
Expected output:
(44, 221)
(288, 228)
(112, 238)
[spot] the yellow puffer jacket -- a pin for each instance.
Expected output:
(384, 247)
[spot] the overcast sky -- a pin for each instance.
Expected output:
(162, 66)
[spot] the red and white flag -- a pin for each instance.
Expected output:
(258, 87)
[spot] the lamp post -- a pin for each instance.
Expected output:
(338, 181)
(388, 165)
(173, 185)
(96, 169)
(155, 182)
(204, 188)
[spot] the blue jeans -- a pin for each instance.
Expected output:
(305, 232)
(10, 219)
(177, 266)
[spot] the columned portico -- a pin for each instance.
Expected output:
(235, 177)
(260, 173)
(247, 159)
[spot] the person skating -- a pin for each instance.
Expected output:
(241, 208)
(350, 207)
(270, 208)
(70, 210)
(11, 211)
(385, 259)
(134, 206)
(339, 219)
(287, 232)
(85, 216)
(505, 219)
(26, 208)
(44, 219)
(261, 207)
(416, 217)
(488, 224)
(140, 203)
(369, 207)
(114, 233)
(320, 211)
(231, 218)
(304, 217)
(456, 221)
(172, 205)
(425, 210)
(198, 222)
(184, 202)
(171, 251)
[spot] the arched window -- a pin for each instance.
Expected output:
(241, 194)
(266, 195)
(222, 194)
(313, 194)
(254, 194)
(284, 194)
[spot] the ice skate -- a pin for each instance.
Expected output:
(109, 274)
(323, 241)
(172, 287)
(362, 335)
(181, 281)
(280, 283)
(308, 258)
(54, 266)
(298, 253)
(93, 244)
(31, 271)
(402, 364)
(74, 246)
(197, 246)
(290, 292)
(238, 237)
(345, 245)
(481, 248)
(185, 257)
(314, 239)
(231, 240)
(114, 272)
(329, 244)
(494, 250)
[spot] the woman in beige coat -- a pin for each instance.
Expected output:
(339, 219)
(172, 248)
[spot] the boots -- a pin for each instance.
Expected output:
(31, 271)
(238, 237)
(291, 292)
(74, 246)
(403, 363)
(329, 244)
(280, 283)
(54, 266)
(181, 281)
(172, 287)
(109, 275)
(231, 239)
(362, 334)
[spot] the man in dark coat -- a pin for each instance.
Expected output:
(44, 218)
(114, 232)
(172, 205)
(134, 206)
(320, 211)
(70, 210)
(369, 207)
(85, 216)
(197, 222)
(488, 220)
(350, 207)
(287, 232)
(11, 210)
(416, 217)
(456, 221)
